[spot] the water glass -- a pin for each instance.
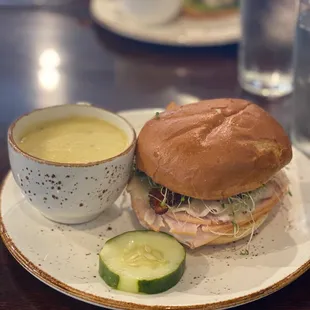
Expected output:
(265, 52)
(301, 96)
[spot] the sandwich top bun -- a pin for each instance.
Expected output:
(213, 149)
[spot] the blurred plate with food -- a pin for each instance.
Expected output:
(174, 23)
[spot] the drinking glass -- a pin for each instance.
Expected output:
(301, 96)
(265, 51)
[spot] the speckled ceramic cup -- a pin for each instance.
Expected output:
(64, 192)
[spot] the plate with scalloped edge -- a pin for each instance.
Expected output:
(66, 257)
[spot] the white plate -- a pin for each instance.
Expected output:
(65, 257)
(180, 32)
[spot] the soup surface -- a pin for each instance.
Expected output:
(74, 140)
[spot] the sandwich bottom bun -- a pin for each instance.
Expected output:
(244, 232)
(195, 232)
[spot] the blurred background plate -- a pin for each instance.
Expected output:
(182, 31)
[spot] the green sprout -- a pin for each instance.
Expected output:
(244, 252)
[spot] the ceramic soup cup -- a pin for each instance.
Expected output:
(63, 192)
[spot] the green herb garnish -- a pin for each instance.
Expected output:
(236, 227)
(290, 193)
(157, 115)
(244, 252)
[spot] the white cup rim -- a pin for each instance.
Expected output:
(14, 145)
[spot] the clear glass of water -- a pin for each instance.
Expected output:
(301, 95)
(265, 51)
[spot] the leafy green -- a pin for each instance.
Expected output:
(200, 5)
(244, 252)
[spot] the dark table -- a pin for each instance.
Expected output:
(106, 70)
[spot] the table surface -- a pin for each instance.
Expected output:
(103, 69)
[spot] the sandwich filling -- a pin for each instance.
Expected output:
(207, 5)
(196, 222)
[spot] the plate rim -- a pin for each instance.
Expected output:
(112, 303)
(141, 38)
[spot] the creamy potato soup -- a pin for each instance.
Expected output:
(74, 140)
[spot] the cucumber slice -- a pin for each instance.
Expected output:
(142, 262)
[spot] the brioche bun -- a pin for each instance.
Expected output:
(244, 232)
(213, 149)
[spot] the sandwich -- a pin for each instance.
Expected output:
(210, 172)
(209, 8)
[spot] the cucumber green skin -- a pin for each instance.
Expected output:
(109, 277)
(153, 286)
(139, 231)
(160, 285)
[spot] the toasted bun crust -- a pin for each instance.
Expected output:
(213, 149)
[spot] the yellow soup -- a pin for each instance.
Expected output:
(74, 140)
